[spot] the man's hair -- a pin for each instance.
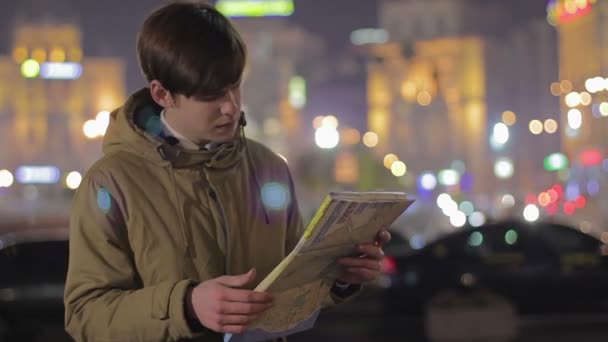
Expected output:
(191, 49)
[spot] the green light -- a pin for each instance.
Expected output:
(30, 68)
(511, 237)
(556, 162)
(297, 92)
(476, 239)
(250, 8)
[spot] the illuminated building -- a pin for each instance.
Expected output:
(441, 83)
(49, 88)
(583, 90)
(583, 67)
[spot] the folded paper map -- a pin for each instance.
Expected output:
(302, 281)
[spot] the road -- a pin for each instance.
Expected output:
(364, 320)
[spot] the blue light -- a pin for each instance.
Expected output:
(275, 196)
(38, 174)
(417, 242)
(467, 182)
(60, 71)
(104, 200)
(572, 191)
(593, 187)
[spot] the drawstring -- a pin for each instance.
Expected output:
(255, 174)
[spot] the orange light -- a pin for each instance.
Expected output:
(544, 199)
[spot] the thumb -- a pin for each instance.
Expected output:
(237, 280)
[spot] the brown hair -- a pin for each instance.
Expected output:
(191, 49)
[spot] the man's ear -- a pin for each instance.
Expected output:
(161, 95)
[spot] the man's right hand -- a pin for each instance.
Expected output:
(221, 306)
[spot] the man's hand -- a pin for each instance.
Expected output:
(366, 267)
(223, 308)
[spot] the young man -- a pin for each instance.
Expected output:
(169, 229)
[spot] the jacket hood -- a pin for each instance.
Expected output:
(136, 128)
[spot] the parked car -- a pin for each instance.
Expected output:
(540, 268)
(33, 266)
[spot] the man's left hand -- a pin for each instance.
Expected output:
(367, 266)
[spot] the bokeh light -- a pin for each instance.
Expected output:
(398, 168)
(531, 213)
(275, 196)
(370, 139)
(73, 179)
(536, 127)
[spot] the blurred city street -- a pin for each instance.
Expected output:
(491, 114)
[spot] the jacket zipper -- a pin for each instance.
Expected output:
(218, 206)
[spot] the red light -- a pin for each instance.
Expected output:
(553, 196)
(591, 158)
(531, 199)
(559, 190)
(552, 209)
(389, 265)
(569, 208)
(565, 16)
(580, 202)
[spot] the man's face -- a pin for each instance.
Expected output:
(207, 120)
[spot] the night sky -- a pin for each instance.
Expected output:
(110, 26)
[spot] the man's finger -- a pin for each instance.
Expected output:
(364, 274)
(238, 319)
(371, 264)
(246, 296)
(237, 280)
(237, 308)
(371, 251)
(383, 237)
(232, 329)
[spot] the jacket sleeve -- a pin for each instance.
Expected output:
(104, 299)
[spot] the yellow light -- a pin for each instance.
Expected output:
(370, 139)
(424, 98)
(317, 122)
(536, 127)
(6, 179)
(556, 89)
(90, 129)
(573, 99)
(57, 55)
(604, 108)
(19, 54)
(582, 4)
(585, 98)
(103, 121)
(566, 86)
(389, 160)
(398, 168)
(509, 118)
(330, 121)
(39, 55)
(73, 180)
(408, 90)
(75, 55)
(550, 126)
(570, 7)
(30, 68)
